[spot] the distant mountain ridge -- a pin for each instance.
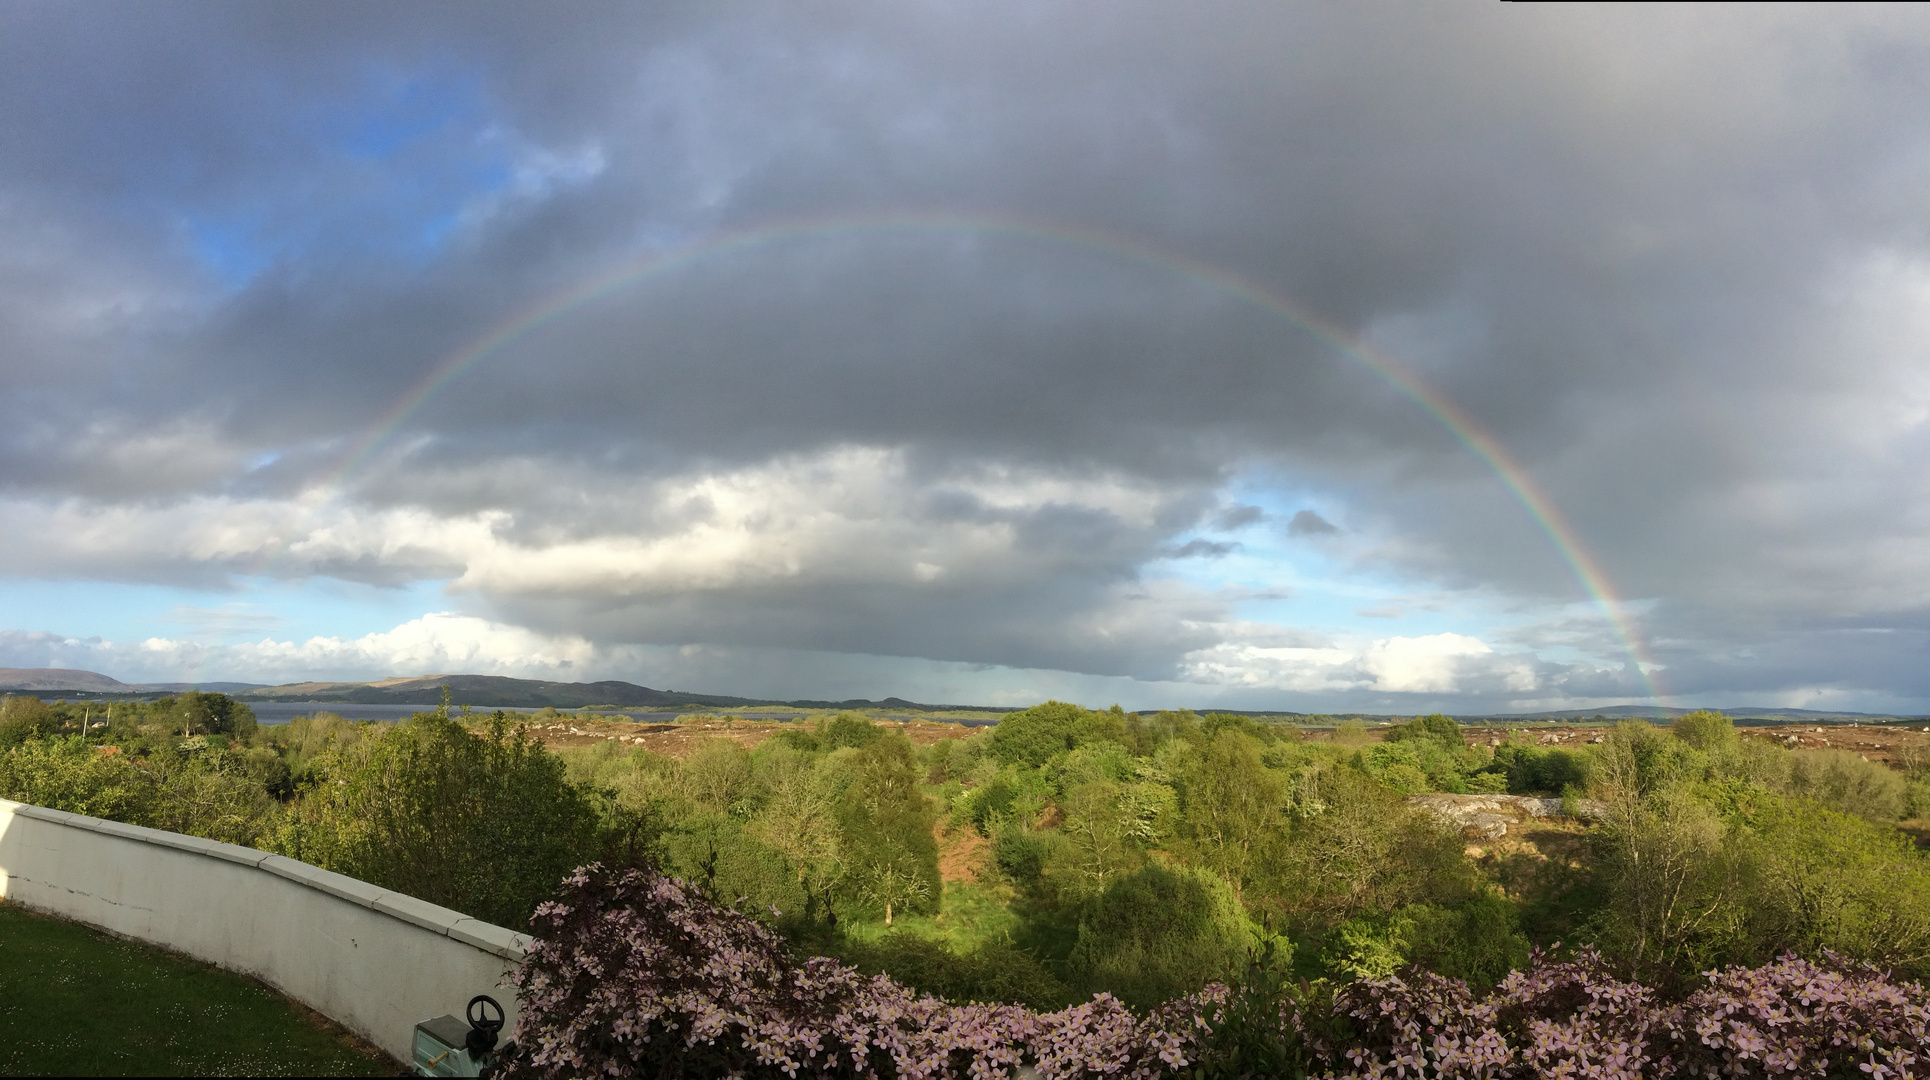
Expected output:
(498, 691)
(482, 691)
(15, 678)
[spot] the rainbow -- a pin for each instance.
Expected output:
(1586, 569)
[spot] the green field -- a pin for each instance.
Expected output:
(76, 1002)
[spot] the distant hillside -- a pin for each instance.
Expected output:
(496, 691)
(14, 678)
(74, 681)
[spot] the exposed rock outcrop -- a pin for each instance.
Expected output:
(1489, 817)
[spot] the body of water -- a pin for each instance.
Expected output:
(281, 712)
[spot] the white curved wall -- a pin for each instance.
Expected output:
(376, 962)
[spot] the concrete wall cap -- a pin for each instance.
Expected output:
(420, 912)
(338, 885)
(57, 817)
(502, 941)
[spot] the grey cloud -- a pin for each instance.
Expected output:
(1309, 523)
(1238, 517)
(1636, 286)
(1204, 549)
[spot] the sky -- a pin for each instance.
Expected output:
(1307, 356)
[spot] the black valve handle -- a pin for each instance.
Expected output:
(480, 1018)
(482, 1026)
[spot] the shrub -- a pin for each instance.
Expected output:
(850, 729)
(633, 973)
(715, 853)
(1036, 735)
(1478, 942)
(23, 718)
(637, 974)
(1021, 853)
(1705, 730)
(485, 824)
(1436, 729)
(209, 792)
(1533, 770)
(1215, 722)
(1822, 881)
(64, 774)
(1848, 782)
(1160, 933)
(996, 973)
(990, 803)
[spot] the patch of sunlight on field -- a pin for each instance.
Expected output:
(969, 916)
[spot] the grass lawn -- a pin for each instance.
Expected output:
(76, 1002)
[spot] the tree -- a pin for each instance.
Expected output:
(1233, 806)
(717, 774)
(1159, 933)
(885, 829)
(1036, 735)
(799, 820)
(198, 713)
(1662, 854)
(484, 823)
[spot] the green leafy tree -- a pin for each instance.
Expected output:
(799, 820)
(23, 718)
(1436, 729)
(1671, 878)
(208, 792)
(486, 823)
(1159, 933)
(885, 829)
(198, 713)
(1234, 806)
(1819, 878)
(61, 773)
(717, 775)
(1848, 782)
(1041, 733)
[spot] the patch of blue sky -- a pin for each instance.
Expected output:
(1309, 582)
(231, 248)
(388, 174)
(400, 110)
(282, 610)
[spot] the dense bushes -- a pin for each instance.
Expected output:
(1161, 933)
(638, 974)
(483, 823)
(634, 973)
(203, 790)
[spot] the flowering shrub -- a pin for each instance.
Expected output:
(637, 974)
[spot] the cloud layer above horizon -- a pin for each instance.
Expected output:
(964, 352)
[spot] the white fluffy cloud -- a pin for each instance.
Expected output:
(1444, 664)
(436, 643)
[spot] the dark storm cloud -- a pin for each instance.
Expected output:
(1636, 247)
